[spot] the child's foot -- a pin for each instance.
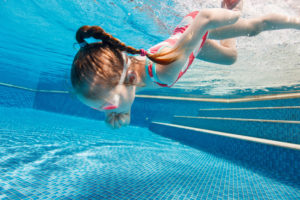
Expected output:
(236, 5)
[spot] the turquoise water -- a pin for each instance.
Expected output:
(51, 156)
(37, 41)
(45, 155)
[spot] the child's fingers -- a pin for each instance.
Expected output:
(110, 119)
(117, 121)
(109, 123)
(110, 116)
(122, 120)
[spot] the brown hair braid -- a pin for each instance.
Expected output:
(98, 33)
(99, 65)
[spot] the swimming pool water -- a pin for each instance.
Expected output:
(51, 156)
(44, 155)
(37, 43)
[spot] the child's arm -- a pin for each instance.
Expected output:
(214, 52)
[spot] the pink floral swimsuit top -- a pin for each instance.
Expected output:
(179, 30)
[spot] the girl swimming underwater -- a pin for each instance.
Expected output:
(104, 77)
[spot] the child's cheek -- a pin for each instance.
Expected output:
(127, 99)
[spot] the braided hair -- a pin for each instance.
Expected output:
(98, 33)
(101, 63)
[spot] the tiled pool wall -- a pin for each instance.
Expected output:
(272, 130)
(13, 97)
(144, 110)
(53, 102)
(280, 163)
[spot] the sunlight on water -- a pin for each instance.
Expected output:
(271, 59)
(37, 42)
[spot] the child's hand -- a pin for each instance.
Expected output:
(116, 120)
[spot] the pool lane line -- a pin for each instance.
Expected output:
(251, 108)
(240, 119)
(235, 136)
(33, 90)
(219, 100)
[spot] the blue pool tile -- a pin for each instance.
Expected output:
(134, 163)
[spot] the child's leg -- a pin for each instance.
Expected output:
(190, 41)
(214, 52)
(206, 19)
(236, 5)
(224, 52)
(252, 27)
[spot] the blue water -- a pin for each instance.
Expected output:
(37, 38)
(51, 156)
(46, 155)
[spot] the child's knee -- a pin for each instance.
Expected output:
(205, 17)
(219, 17)
(255, 27)
(206, 14)
(231, 59)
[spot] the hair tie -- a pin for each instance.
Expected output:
(82, 44)
(143, 52)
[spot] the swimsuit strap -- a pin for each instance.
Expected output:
(171, 41)
(151, 70)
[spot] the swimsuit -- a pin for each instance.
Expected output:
(179, 30)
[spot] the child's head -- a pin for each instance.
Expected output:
(97, 69)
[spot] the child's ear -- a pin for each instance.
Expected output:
(131, 77)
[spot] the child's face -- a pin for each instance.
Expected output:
(117, 100)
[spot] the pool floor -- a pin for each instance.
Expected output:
(51, 156)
